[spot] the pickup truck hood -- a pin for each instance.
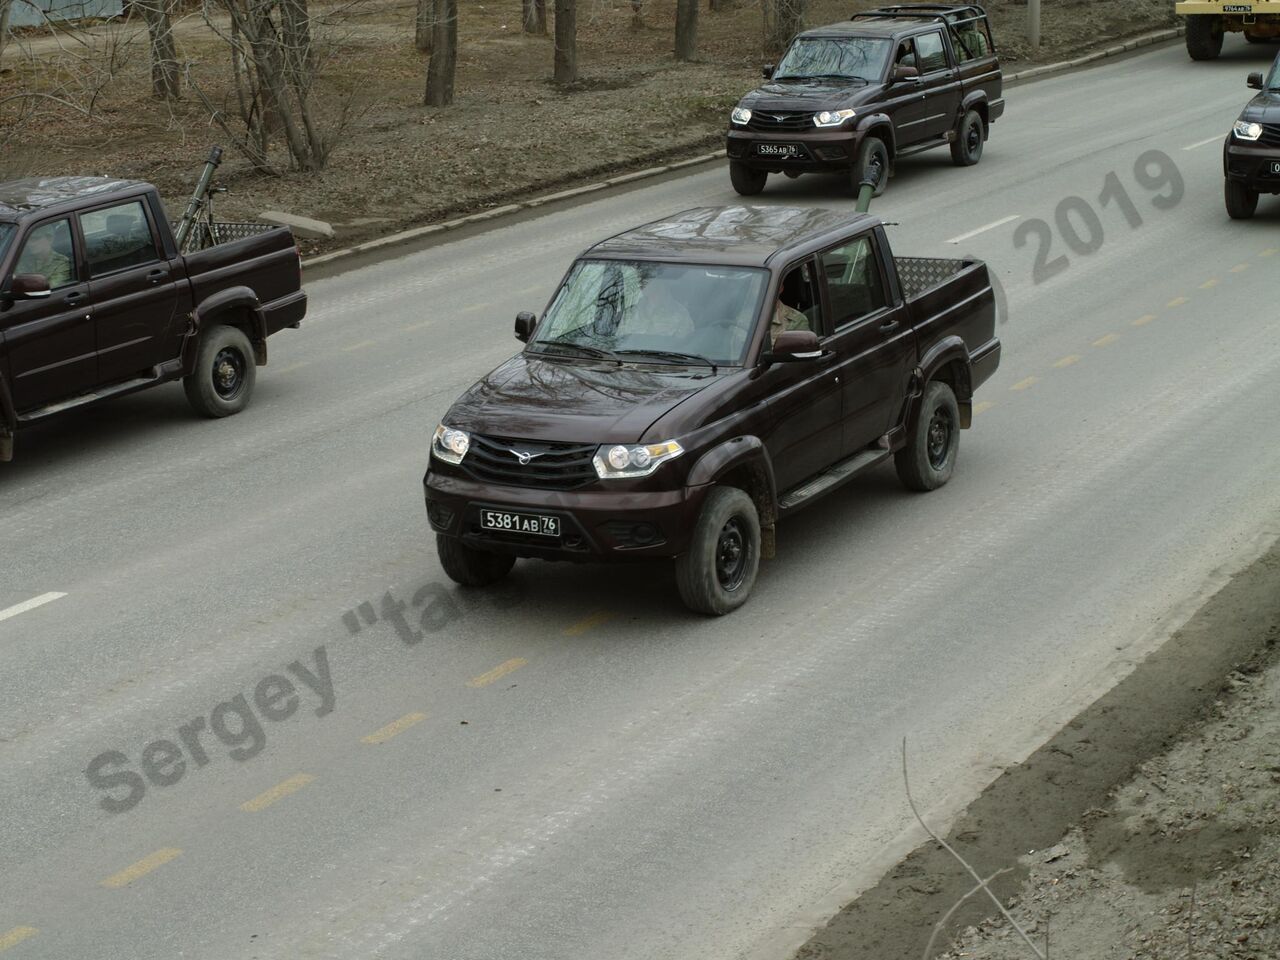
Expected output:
(529, 398)
(811, 96)
(1264, 108)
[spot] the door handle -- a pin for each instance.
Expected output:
(73, 298)
(889, 325)
(155, 276)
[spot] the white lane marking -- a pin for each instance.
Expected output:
(1218, 139)
(989, 226)
(31, 604)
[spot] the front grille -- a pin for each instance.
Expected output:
(780, 122)
(554, 466)
(1270, 135)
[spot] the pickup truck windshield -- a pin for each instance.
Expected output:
(7, 230)
(653, 312)
(834, 58)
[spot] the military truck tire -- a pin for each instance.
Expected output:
(716, 574)
(1204, 36)
(872, 151)
(1241, 201)
(929, 458)
(966, 148)
(746, 181)
(222, 382)
(471, 567)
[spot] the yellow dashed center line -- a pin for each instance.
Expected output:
(1023, 384)
(1177, 301)
(294, 366)
(1106, 341)
(497, 673)
(278, 792)
(474, 307)
(16, 936)
(1270, 251)
(1209, 284)
(587, 623)
(416, 326)
(141, 868)
(982, 407)
(360, 346)
(1143, 320)
(1240, 268)
(1068, 360)
(391, 729)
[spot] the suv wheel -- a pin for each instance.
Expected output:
(1241, 201)
(471, 567)
(1204, 36)
(966, 148)
(929, 458)
(222, 381)
(717, 572)
(746, 181)
(873, 155)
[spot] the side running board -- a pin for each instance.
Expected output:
(831, 478)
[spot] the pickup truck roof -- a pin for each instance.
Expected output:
(20, 197)
(746, 236)
(898, 20)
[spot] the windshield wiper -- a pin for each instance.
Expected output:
(671, 355)
(811, 77)
(582, 348)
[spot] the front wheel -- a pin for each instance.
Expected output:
(966, 148)
(716, 574)
(222, 381)
(873, 164)
(1204, 36)
(471, 567)
(929, 457)
(745, 180)
(1241, 201)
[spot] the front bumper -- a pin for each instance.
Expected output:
(818, 149)
(1258, 167)
(596, 525)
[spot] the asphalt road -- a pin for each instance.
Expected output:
(573, 766)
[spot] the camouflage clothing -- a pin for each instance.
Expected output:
(786, 318)
(51, 264)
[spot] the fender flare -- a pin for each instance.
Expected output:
(976, 100)
(232, 299)
(865, 125)
(744, 451)
(946, 351)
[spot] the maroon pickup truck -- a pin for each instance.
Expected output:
(96, 301)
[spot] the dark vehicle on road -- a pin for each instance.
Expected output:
(1251, 155)
(97, 300)
(862, 93)
(695, 379)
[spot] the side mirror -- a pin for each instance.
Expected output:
(767, 71)
(901, 74)
(29, 286)
(525, 322)
(1255, 81)
(794, 345)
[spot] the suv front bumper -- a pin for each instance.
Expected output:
(595, 525)
(817, 149)
(1258, 167)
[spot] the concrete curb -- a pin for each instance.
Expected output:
(417, 233)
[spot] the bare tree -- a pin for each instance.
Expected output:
(783, 19)
(637, 14)
(424, 25)
(5, 6)
(686, 29)
(444, 54)
(165, 75)
(566, 57)
(535, 16)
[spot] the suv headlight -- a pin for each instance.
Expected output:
(741, 116)
(833, 118)
(450, 445)
(1246, 130)
(622, 460)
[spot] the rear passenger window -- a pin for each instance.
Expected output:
(117, 238)
(854, 286)
(930, 53)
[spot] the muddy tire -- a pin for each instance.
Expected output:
(929, 458)
(966, 148)
(1204, 36)
(471, 567)
(1241, 201)
(222, 382)
(745, 180)
(716, 574)
(872, 154)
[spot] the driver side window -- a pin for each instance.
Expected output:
(48, 252)
(797, 306)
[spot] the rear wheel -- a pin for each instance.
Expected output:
(746, 181)
(1204, 36)
(222, 382)
(716, 574)
(929, 458)
(1241, 201)
(966, 148)
(873, 162)
(471, 567)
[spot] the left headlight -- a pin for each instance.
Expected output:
(450, 445)
(1246, 130)
(741, 116)
(833, 118)
(621, 460)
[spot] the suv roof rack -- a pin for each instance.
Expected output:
(952, 13)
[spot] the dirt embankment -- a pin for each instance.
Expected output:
(510, 132)
(1148, 829)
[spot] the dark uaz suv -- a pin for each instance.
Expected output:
(696, 378)
(857, 95)
(1251, 155)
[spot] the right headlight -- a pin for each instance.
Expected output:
(450, 445)
(624, 460)
(741, 116)
(1246, 130)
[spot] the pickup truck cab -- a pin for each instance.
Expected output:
(1251, 154)
(97, 301)
(858, 95)
(697, 378)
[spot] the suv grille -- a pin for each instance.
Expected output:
(1270, 135)
(780, 122)
(556, 466)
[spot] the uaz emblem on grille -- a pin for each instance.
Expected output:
(523, 456)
